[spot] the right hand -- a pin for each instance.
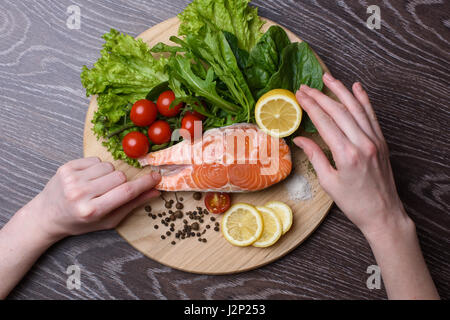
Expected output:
(362, 185)
(87, 195)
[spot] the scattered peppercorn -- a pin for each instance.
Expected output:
(156, 226)
(197, 195)
(195, 226)
(148, 208)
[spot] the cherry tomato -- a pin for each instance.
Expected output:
(164, 101)
(188, 123)
(135, 144)
(143, 113)
(217, 202)
(159, 132)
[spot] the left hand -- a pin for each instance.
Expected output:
(87, 195)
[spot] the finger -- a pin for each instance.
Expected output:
(350, 102)
(316, 156)
(363, 99)
(339, 113)
(327, 128)
(106, 183)
(118, 215)
(81, 164)
(97, 170)
(124, 193)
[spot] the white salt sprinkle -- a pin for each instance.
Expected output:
(298, 187)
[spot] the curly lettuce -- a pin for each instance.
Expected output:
(125, 73)
(233, 16)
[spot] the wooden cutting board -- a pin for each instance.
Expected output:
(216, 256)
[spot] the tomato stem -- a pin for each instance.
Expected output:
(120, 130)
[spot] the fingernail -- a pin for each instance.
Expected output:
(300, 94)
(304, 87)
(298, 142)
(156, 175)
(358, 86)
(327, 76)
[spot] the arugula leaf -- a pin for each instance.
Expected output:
(213, 48)
(233, 16)
(180, 69)
(265, 57)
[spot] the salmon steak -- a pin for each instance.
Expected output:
(236, 158)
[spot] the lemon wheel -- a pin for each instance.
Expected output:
(278, 113)
(242, 225)
(283, 211)
(273, 228)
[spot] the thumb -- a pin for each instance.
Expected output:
(316, 157)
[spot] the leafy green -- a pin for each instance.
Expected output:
(213, 48)
(233, 16)
(125, 73)
(298, 66)
(265, 57)
(240, 54)
(181, 70)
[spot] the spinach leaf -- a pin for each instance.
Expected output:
(298, 66)
(240, 54)
(265, 57)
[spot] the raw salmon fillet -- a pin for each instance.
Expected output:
(237, 158)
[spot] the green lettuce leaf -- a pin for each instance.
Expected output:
(125, 73)
(234, 16)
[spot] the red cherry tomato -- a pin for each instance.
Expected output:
(159, 132)
(163, 103)
(135, 144)
(217, 202)
(188, 123)
(143, 113)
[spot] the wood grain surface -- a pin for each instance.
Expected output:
(404, 66)
(217, 256)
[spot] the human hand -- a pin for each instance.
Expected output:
(87, 195)
(362, 185)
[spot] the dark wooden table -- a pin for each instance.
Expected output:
(404, 66)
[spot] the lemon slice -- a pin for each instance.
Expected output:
(242, 224)
(278, 113)
(273, 228)
(283, 211)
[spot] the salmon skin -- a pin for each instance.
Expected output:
(236, 158)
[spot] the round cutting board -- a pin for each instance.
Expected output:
(216, 256)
